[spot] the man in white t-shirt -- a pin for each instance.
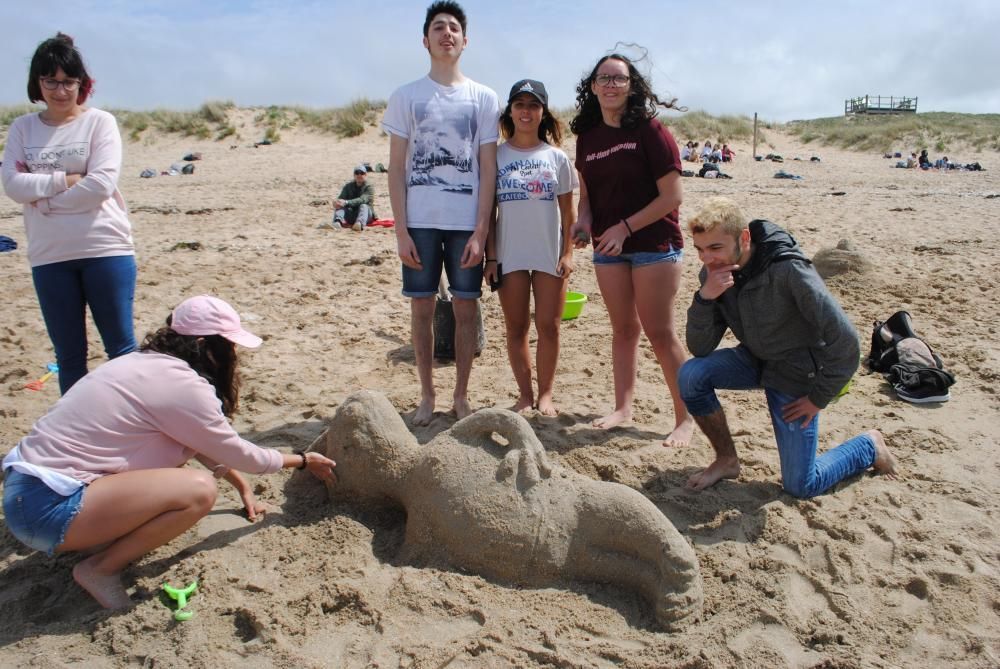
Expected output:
(442, 183)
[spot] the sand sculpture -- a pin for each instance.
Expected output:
(841, 260)
(483, 497)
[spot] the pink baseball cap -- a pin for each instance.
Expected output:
(207, 315)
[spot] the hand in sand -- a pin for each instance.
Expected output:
(721, 468)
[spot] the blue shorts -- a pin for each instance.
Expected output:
(640, 258)
(36, 514)
(436, 249)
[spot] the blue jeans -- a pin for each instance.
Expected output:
(35, 514)
(360, 214)
(65, 289)
(437, 248)
(803, 473)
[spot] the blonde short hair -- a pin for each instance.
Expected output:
(719, 212)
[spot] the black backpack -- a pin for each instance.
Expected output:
(908, 362)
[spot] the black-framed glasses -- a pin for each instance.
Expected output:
(615, 80)
(70, 85)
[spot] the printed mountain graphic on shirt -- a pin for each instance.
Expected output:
(443, 151)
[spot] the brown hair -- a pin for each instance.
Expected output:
(213, 357)
(54, 54)
(549, 130)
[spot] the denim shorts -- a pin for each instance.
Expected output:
(437, 248)
(37, 515)
(640, 258)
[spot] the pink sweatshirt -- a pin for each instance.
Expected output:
(89, 220)
(139, 411)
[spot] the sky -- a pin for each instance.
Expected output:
(781, 59)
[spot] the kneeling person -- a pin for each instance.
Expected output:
(795, 342)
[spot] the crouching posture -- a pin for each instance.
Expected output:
(503, 511)
(795, 342)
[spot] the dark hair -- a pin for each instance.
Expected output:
(549, 130)
(213, 357)
(641, 105)
(445, 7)
(58, 53)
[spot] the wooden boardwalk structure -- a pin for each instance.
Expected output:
(880, 104)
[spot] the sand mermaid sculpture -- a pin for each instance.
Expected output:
(483, 497)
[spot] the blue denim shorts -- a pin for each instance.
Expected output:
(640, 258)
(37, 515)
(437, 249)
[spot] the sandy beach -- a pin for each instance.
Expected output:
(875, 573)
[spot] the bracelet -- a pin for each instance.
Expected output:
(491, 260)
(304, 461)
(627, 227)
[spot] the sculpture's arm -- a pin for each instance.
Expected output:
(526, 456)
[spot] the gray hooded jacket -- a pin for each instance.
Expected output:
(782, 312)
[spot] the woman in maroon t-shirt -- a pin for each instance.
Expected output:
(630, 190)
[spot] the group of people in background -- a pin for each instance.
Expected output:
(99, 471)
(709, 153)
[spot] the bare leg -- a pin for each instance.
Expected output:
(615, 282)
(422, 333)
(550, 293)
(885, 462)
(136, 512)
(655, 288)
(726, 464)
(515, 299)
(465, 351)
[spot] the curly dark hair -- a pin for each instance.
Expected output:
(445, 7)
(642, 103)
(549, 130)
(58, 53)
(213, 357)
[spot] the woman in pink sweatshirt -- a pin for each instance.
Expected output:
(103, 468)
(63, 164)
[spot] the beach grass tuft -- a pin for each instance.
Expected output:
(944, 131)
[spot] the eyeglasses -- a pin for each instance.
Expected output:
(615, 80)
(69, 85)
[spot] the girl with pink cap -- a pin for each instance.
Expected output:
(102, 470)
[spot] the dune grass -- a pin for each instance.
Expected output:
(940, 132)
(701, 126)
(211, 117)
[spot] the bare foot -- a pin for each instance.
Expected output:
(721, 468)
(885, 462)
(546, 407)
(107, 589)
(425, 412)
(683, 431)
(523, 402)
(613, 419)
(462, 408)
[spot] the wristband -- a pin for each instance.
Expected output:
(303, 454)
(627, 227)
(491, 260)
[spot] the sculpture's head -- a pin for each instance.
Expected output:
(370, 444)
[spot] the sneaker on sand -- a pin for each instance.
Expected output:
(357, 227)
(921, 395)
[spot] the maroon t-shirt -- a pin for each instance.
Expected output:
(620, 167)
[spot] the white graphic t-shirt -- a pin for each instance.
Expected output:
(445, 126)
(529, 226)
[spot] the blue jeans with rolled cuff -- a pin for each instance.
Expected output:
(803, 473)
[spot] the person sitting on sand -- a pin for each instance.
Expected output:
(706, 152)
(717, 153)
(102, 469)
(923, 160)
(686, 152)
(529, 250)
(913, 161)
(795, 342)
(727, 153)
(354, 205)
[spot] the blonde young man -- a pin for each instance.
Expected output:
(795, 342)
